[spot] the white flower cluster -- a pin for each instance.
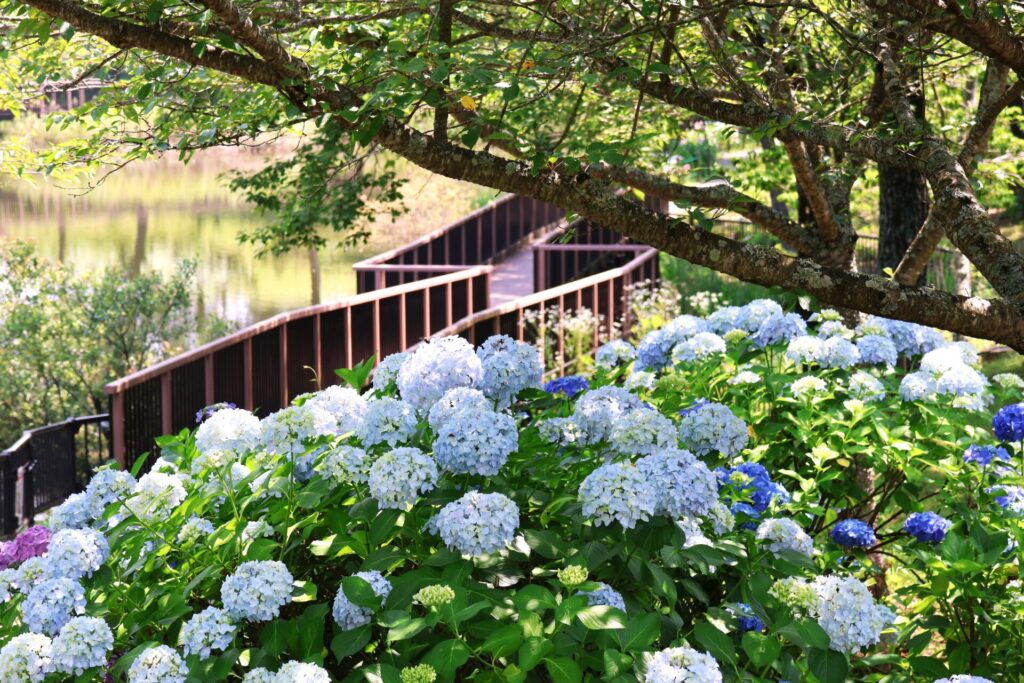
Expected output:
(807, 386)
(286, 432)
(842, 606)
(698, 347)
(26, 657)
(615, 353)
(947, 370)
(82, 509)
(509, 366)
(159, 664)
(344, 404)
(83, 643)
(712, 428)
(642, 432)
(291, 672)
(211, 630)
(155, 496)
(194, 529)
(387, 371)
(477, 523)
(257, 590)
(618, 492)
(349, 615)
(866, 387)
(435, 367)
(387, 420)
(346, 464)
(225, 436)
(682, 665)
(398, 477)
(785, 534)
(256, 529)
(683, 486)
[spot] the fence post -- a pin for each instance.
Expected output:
(401, 322)
(247, 388)
(117, 429)
(282, 365)
(166, 402)
(208, 389)
(8, 515)
(317, 349)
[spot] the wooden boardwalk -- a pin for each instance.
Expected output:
(512, 277)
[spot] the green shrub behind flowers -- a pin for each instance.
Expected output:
(742, 497)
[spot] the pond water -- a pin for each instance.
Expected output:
(152, 214)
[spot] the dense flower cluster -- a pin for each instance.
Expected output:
(26, 657)
(848, 614)
(83, 643)
(435, 367)
(678, 664)
(712, 428)
(387, 421)
(386, 373)
(853, 533)
(605, 595)
(750, 488)
(785, 535)
(206, 632)
(509, 366)
(984, 455)
(75, 553)
(398, 477)
(682, 485)
(31, 542)
(1008, 424)
(478, 523)
(349, 615)
(477, 442)
(618, 492)
(615, 353)
(52, 603)
(927, 526)
(257, 590)
(569, 385)
(158, 664)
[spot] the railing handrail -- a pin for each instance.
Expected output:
(145, 374)
(29, 434)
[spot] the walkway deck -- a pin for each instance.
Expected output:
(513, 276)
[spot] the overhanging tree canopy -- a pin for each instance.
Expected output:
(565, 101)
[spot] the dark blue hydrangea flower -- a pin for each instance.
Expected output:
(752, 483)
(741, 510)
(983, 455)
(569, 385)
(696, 405)
(654, 350)
(927, 526)
(747, 620)
(853, 533)
(1008, 424)
(208, 411)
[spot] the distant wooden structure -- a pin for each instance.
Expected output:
(59, 96)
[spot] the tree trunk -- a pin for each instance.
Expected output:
(902, 209)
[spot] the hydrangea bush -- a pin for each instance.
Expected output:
(744, 496)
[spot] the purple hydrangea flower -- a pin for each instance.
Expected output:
(208, 411)
(569, 385)
(32, 542)
(853, 533)
(927, 527)
(1008, 424)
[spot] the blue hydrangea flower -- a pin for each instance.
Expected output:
(398, 477)
(641, 432)
(1012, 498)
(654, 350)
(479, 442)
(683, 486)
(910, 339)
(455, 405)
(51, 604)
(876, 349)
(477, 523)
(752, 315)
(569, 385)
(961, 381)
(917, 386)
(746, 619)
(386, 372)
(866, 387)
(206, 632)
(158, 664)
(751, 485)
(682, 664)
(509, 366)
(837, 352)
(617, 492)
(927, 526)
(387, 420)
(605, 595)
(349, 615)
(435, 367)
(983, 455)
(614, 353)
(257, 590)
(106, 486)
(853, 533)
(26, 657)
(779, 328)
(725, 319)
(597, 410)
(804, 349)
(698, 347)
(711, 427)
(1008, 424)
(75, 553)
(83, 643)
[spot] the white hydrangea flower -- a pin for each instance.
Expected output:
(683, 486)
(8, 579)
(106, 486)
(834, 328)
(618, 492)
(301, 672)
(479, 442)
(562, 431)
(866, 387)
(387, 370)
(286, 432)
(158, 664)
(344, 404)
(30, 574)
(194, 529)
(256, 529)
(398, 477)
(948, 357)
(876, 349)
(847, 612)
(436, 366)
(345, 465)
(83, 643)
(807, 386)
(614, 353)
(709, 427)
(804, 349)
(226, 435)
(349, 615)
(642, 432)
(211, 630)
(477, 523)
(963, 678)
(387, 420)
(698, 347)
(257, 590)
(509, 366)
(745, 377)
(51, 604)
(682, 665)
(1009, 380)
(785, 534)
(156, 495)
(259, 675)
(917, 386)
(75, 553)
(837, 352)
(455, 404)
(26, 657)
(640, 379)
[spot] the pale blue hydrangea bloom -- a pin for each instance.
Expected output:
(346, 464)
(910, 339)
(950, 356)
(106, 486)
(642, 432)
(683, 486)
(286, 432)
(784, 534)
(156, 495)
(159, 664)
(725, 319)
(259, 528)
(563, 431)
(722, 519)
(917, 386)
(349, 615)
(711, 427)
(847, 612)
(8, 578)
(807, 386)
(617, 492)
(30, 574)
(206, 632)
(963, 678)
(599, 409)
(804, 349)
(398, 477)
(615, 353)
(866, 387)
(479, 442)
(876, 349)
(26, 657)
(194, 529)
(509, 366)
(777, 328)
(226, 435)
(751, 316)
(76, 512)
(640, 379)
(258, 675)
(344, 404)
(75, 553)
(745, 377)
(961, 380)
(455, 404)
(834, 328)
(605, 595)
(51, 604)
(301, 672)
(477, 523)
(698, 347)
(682, 665)
(257, 590)
(837, 352)
(435, 367)
(83, 643)
(387, 371)
(387, 420)
(654, 350)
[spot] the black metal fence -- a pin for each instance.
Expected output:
(48, 464)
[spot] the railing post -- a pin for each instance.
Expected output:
(8, 515)
(401, 322)
(561, 336)
(611, 309)
(208, 389)
(348, 336)
(117, 429)
(376, 328)
(447, 304)
(317, 349)
(427, 327)
(166, 401)
(247, 388)
(282, 342)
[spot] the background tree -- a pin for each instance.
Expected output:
(566, 101)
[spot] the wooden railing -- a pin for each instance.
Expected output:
(477, 238)
(267, 364)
